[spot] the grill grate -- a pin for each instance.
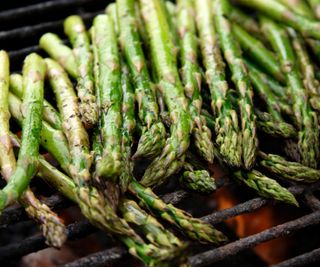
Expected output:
(20, 39)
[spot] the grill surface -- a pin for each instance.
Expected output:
(20, 29)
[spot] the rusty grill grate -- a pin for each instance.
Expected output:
(20, 29)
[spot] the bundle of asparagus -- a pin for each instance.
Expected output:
(179, 63)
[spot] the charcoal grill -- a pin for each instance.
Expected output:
(20, 29)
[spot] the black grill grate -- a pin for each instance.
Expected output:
(21, 28)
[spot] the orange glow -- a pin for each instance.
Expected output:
(273, 251)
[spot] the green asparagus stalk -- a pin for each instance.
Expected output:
(199, 181)
(307, 70)
(52, 140)
(75, 30)
(52, 227)
(152, 139)
(50, 114)
(277, 128)
(170, 85)
(292, 171)
(110, 165)
(191, 77)
(306, 26)
(306, 120)
(78, 140)
(315, 6)
(54, 46)
(265, 186)
(33, 79)
(241, 80)
(248, 23)
(273, 117)
(153, 230)
(256, 50)
(112, 12)
(128, 127)
(228, 134)
(298, 6)
(102, 216)
(194, 228)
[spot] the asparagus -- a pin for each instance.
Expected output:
(265, 186)
(307, 27)
(52, 140)
(248, 23)
(194, 228)
(52, 228)
(152, 139)
(112, 12)
(192, 78)
(33, 77)
(306, 119)
(307, 69)
(110, 165)
(171, 88)
(241, 80)
(277, 128)
(199, 181)
(102, 216)
(315, 6)
(77, 137)
(228, 135)
(257, 51)
(75, 30)
(292, 171)
(153, 230)
(54, 46)
(128, 127)
(298, 6)
(50, 114)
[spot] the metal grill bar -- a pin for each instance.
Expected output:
(302, 260)
(41, 8)
(35, 243)
(37, 30)
(104, 257)
(212, 256)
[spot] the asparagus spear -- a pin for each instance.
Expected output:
(75, 30)
(257, 50)
(152, 139)
(199, 181)
(274, 109)
(112, 12)
(33, 77)
(277, 128)
(50, 114)
(292, 171)
(78, 140)
(307, 27)
(307, 69)
(128, 127)
(298, 6)
(102, 216)
(54, 141)
(241, 80)
(265, 186)
(192, 78)
(172, 90)
(306, 119)
(228, 134)
(153, 230)
(238, 17)
(109, 83)
(54, 46)
(315, 6)
(52, 227)
(194, 228)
